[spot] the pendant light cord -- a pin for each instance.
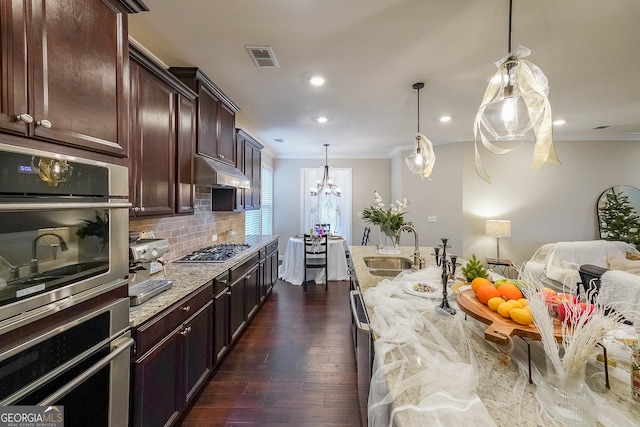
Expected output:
(510, 18)
(418, 110)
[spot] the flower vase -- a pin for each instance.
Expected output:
(387, 241)
(566, 397)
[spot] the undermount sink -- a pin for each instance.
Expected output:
(387, 266)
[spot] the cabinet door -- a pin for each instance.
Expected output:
(208, 123)
(152, 164)
(185, 151)
(240, 147)
(256, 178)
(198, 338)
(226, 135)
(78, 82)
(236, 308)
(252, 291)
(156, 395)
(13, 65)
(248, 171)
(221, 325)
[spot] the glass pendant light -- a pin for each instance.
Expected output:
(515, 105)
(419, 158)
(507, 116)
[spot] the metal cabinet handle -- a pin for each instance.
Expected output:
(248, 277)
(222, 281)
(221, 156)
(229, 293)
(25, 118)
(44, 123)
(186, 308)
(360, 325)
(186, 331)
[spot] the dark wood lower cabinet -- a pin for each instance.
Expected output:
(236, 308)
(198, 348)
(167, 375)
(177, 349)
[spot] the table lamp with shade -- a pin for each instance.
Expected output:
(498, 228)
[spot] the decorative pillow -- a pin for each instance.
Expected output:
(623, 264)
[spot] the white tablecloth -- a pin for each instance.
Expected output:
(292, 268)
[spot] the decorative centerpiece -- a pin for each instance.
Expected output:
(563, 392)
(390, 220)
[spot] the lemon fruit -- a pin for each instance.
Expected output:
(521, 316)
(494, 302)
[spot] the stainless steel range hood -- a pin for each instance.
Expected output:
(211, 173)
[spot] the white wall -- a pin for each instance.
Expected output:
(555, 203)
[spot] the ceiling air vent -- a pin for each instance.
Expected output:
(601, 127)
(262, 56)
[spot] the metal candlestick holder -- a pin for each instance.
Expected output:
(448, 270)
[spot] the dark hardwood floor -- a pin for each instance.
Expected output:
(293, 366)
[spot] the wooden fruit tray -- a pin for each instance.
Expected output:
(500, 329)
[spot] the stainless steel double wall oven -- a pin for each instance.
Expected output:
(64, 326)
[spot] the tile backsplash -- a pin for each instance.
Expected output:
(187, 233)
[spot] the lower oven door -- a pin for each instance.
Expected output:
(82, 368)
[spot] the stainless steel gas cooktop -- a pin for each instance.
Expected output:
(217, 253)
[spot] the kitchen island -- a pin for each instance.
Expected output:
(433, 369)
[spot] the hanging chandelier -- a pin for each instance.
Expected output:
(422, 159)
(326, 186)
(515, 103)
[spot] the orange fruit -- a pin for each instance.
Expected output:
(509, 292)
(486, 292)
(477, 282)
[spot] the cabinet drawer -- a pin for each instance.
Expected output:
(272, 247)
(151, 332)
(221, 282)
(241, 269)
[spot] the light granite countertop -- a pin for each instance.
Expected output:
(502, 382)
(188, 277)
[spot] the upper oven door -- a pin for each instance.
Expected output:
(63, 227)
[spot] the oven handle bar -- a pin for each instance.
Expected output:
(61, 206)
(119, 347)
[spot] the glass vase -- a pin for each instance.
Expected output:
(387, 241)
(566, 397)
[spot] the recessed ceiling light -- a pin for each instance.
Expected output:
(322, 119)
(317, 80)
(559, 122)
(445, 119)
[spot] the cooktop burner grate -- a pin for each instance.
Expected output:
(217, 253)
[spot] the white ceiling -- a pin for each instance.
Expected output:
(372, 51)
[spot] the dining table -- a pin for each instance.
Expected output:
(292, 267)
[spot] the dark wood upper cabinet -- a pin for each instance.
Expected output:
(162, 140)
(186, 146)
(250, 165)
(216, 116)
(65, 72)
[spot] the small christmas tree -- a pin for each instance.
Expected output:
(619, 219)
(473, 269)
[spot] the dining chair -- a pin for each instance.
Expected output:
(316, 251)
(365, 236)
